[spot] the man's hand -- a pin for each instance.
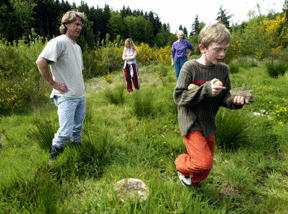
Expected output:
(59, 86)
(216, 86)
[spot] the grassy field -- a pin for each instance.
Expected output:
(136, 136)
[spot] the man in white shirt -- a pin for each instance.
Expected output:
(64, 56)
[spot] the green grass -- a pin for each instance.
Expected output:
(276, 68)
(136, 135)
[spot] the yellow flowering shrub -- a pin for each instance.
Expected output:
(163, 55)
(13, 96)
(144, 54)
(107, 78)
(20, 83)
(273, 28)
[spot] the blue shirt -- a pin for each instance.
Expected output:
(179, 49)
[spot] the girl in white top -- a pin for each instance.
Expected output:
(130, 66)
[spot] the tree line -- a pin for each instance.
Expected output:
(21, 18)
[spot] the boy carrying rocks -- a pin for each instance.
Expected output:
(203, 86)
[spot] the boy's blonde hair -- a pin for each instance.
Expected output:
(69, 17)
(214, 33)
(132, 45)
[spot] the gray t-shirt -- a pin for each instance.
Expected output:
(66, 65)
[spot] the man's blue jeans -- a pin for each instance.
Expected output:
(71, 114)
(178, 63)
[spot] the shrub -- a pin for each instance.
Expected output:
(102, 61)
(108, 78)
(21, 83)
(276, 68)
(163, 55)
(144, 54)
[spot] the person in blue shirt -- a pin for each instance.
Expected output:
(179, 52)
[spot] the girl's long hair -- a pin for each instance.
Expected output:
(131, 43)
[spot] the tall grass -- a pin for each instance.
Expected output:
(234, 67)
(276, 68)
(232, 129)
(142, 105)
(116, 95)
(248, 176)
(43, 133)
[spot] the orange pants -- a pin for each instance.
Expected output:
(199, 160)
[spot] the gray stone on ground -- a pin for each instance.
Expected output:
(131, 188)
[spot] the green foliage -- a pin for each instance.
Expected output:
(276, 68)
(281, 114)
(118, 144)
(101, 61)
(142, 105)
(223, 17)
(246, 62)
(87, 159)
(43, 133)
(23, 15)
(233, 129)
(20, 81)
(115, 96)
(234, 67)
(40, 194)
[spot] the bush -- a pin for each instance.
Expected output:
(144, 54)
(21, 83)
(102, 61)
(276, 68)
(163, 55)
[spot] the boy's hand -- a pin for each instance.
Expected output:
(240, 100)
(216, 86)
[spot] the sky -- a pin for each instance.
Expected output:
(184, 12)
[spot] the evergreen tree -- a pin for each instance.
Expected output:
(24, 13)
(285, 6)
(223, 17)
(195, 26)
(185, 32)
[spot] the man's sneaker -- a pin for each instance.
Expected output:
(185, 180)
(54, 153)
